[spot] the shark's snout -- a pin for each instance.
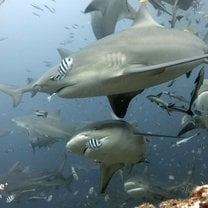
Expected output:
(77, 144)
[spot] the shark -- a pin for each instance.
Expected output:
(114, 139)
(22, 182)
(45, 130)
(105, 15)
(121, 65)
(199, 118)
(115, 144)
(141, 187)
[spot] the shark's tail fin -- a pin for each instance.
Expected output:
(15, 92)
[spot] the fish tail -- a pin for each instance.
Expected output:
(13, 91)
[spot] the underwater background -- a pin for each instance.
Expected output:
(30, 38)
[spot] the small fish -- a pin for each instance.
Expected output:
(41, 113)
(52, 10)
(93, 144)
(74, 173)
(161, 103)
(10, 198)
(64, 67)
(170, 94)
(37, 7)
(178, 143)
(36, 14)
(198, 82)
(46, 198)
(170, 83)
(3, 38)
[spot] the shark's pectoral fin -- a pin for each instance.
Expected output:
(159, 68)
(187, 128)
(107, 172)
(120, 102)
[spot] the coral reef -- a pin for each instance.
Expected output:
(197, 199)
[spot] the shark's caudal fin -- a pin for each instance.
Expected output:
(15, 92)
(107, 172)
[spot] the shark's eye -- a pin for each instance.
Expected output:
(63, 68)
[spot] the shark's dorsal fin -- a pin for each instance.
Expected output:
(63, 52)
(100, 5)
(54, 115)
(107, 171)
(144, 19)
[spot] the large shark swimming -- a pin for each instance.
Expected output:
(121, 65)
(113, 143)
(44, 130)
(109, 142)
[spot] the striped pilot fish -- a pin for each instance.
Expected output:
(64, 67)
(93, 144)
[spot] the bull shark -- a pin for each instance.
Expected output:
(105, 15)
(142, 188)
(122, 65)
(22, 182)
(199, 119)
(45, 130)
(114, 139)
(113, 143)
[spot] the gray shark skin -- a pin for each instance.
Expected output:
(148, 190)
(117, 138)
(105, 15)
(199, 119)
(44, 131)
(142, 56)
(22, 182)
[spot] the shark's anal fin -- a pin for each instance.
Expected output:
(120, 102)
(107, 172)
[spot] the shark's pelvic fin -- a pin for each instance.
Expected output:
(107, 172)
